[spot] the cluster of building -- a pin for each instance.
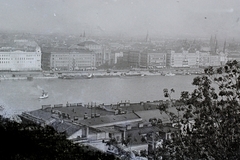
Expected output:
(85, 55)
(172, 59)
(25, 55)
(89, 54)
(124, 121)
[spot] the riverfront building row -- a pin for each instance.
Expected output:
(24, 55)
(67, 59)
(27, 55)
(85, 55)
(197, 59)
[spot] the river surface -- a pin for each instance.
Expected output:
(22, 95)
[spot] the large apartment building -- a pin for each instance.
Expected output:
(207, 59)
(116, 56)
(69, 59)
(21, 55)
(195, 60)
(102, 53)
(153, 59)
(132, 58)
(183, 59)
(106, 55)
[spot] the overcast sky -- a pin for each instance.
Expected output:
(126, 17)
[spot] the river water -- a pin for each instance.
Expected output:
(22, 95)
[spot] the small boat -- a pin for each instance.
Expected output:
(44, 95)
(132, 74)
(90, 76)
(106, 76)
(76, 76)
(170, 74)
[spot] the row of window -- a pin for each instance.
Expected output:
(17, 59)
(157, 58)
(67, 55)
(59, 66)
(4, 58)
(32, 55)
(66, 59)
(4, 62)
(23, 62)
(27, 55)
(81, 62)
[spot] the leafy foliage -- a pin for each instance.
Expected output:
(214, 109)
(31, 141)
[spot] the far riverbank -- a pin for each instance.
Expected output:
(23, 75)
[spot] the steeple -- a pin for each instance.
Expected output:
(84, 34)
(213, 45)
(211, 40)
(224, 46)
(147, 37)
(83, 37)
(216, 47)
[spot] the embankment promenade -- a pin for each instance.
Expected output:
(28, 75)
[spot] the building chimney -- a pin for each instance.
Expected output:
(128, 127)
(140, 125)
(85, 116)
(116, 111)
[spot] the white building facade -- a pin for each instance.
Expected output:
(195, 60)
(183, 59)
(72, 60)
(153, 60)
(20, 60)
(116, 56)
(68, 59)
(97, 50)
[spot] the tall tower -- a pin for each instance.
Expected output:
(213, 45)
(224, 46)
(83, 37)
(210, 42)
(84, 34)
(216, 47)
(147, 38)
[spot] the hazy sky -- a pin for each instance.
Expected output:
(126, 17)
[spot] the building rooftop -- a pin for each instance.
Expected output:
(133, 107)
(65, 127)
(64, 50)
(147, 114)
(81, 111)
(109, 129)
(87, 43)
(136, 134)
(39, 116)
(110, 120)
(43, 114)
(19, 45)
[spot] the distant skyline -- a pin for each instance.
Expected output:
(185, 18)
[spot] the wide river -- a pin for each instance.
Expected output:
(22, 95)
